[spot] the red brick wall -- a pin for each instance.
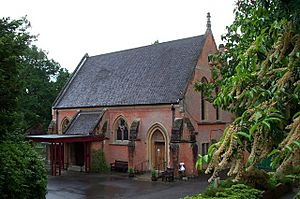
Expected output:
(68, 113)
(161, 114)
(149, 116)
(192, 98)
(209, 128)
(185, 156)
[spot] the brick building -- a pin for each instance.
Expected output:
(142, 103)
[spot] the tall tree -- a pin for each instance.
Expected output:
(29, 80)
(42, 79)
(22, 174)
(258, 76)
(14, 40)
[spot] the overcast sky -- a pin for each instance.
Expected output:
(70, 28)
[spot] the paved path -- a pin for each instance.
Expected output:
(76, 185)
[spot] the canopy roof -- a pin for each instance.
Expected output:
(84, 123)
(81, 129)
(57, 138)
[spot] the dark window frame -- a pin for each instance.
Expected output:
(203, 101)
(204, 148)
(122, 133)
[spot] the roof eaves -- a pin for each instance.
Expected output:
(120, 105)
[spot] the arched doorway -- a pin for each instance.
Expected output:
(157, 147)
(158, 150)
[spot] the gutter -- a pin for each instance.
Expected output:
(120, 105)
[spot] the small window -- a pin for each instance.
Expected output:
(205, 147)
(203, 101)
(64, 124)
(122, 130)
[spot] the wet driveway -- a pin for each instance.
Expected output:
(76, 185)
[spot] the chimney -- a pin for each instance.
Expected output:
(208, 24)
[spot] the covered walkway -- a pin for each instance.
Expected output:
(56, 148)
(80, 130)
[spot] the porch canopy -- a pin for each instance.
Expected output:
(57, 138)
(81, 129)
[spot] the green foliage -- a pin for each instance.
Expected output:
(131, 170)
(42, 79)
(40, 148)
(29, 81)
(204, 159)
(22, 173)
(256, 178)
(273, 181)
(155, 42)
(154, 173)
(13, 42)
(235, 191)
(212, 189)
(292, 177)
(98, 163)
(258, 78)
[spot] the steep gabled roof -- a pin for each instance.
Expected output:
(155, 74)
(84, 123)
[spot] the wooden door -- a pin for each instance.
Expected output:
(159, 155)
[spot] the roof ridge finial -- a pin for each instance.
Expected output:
(208, 24)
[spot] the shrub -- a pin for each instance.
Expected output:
(154, 173)
(273, 181)
(212, 190)
(130, 170)
(98, 163)
(256, 178)
(22, 172)
(288, 179)
(236, 191)
(298, 195)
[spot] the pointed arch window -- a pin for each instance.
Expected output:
(64, 124)
(122, 130)
(203, 101)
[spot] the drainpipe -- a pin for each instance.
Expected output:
(56, 117)
(173, 114)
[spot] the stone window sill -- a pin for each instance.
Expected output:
(208, 123)
(120, 143)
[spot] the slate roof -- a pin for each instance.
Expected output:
(84, 123)
(155, 74)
